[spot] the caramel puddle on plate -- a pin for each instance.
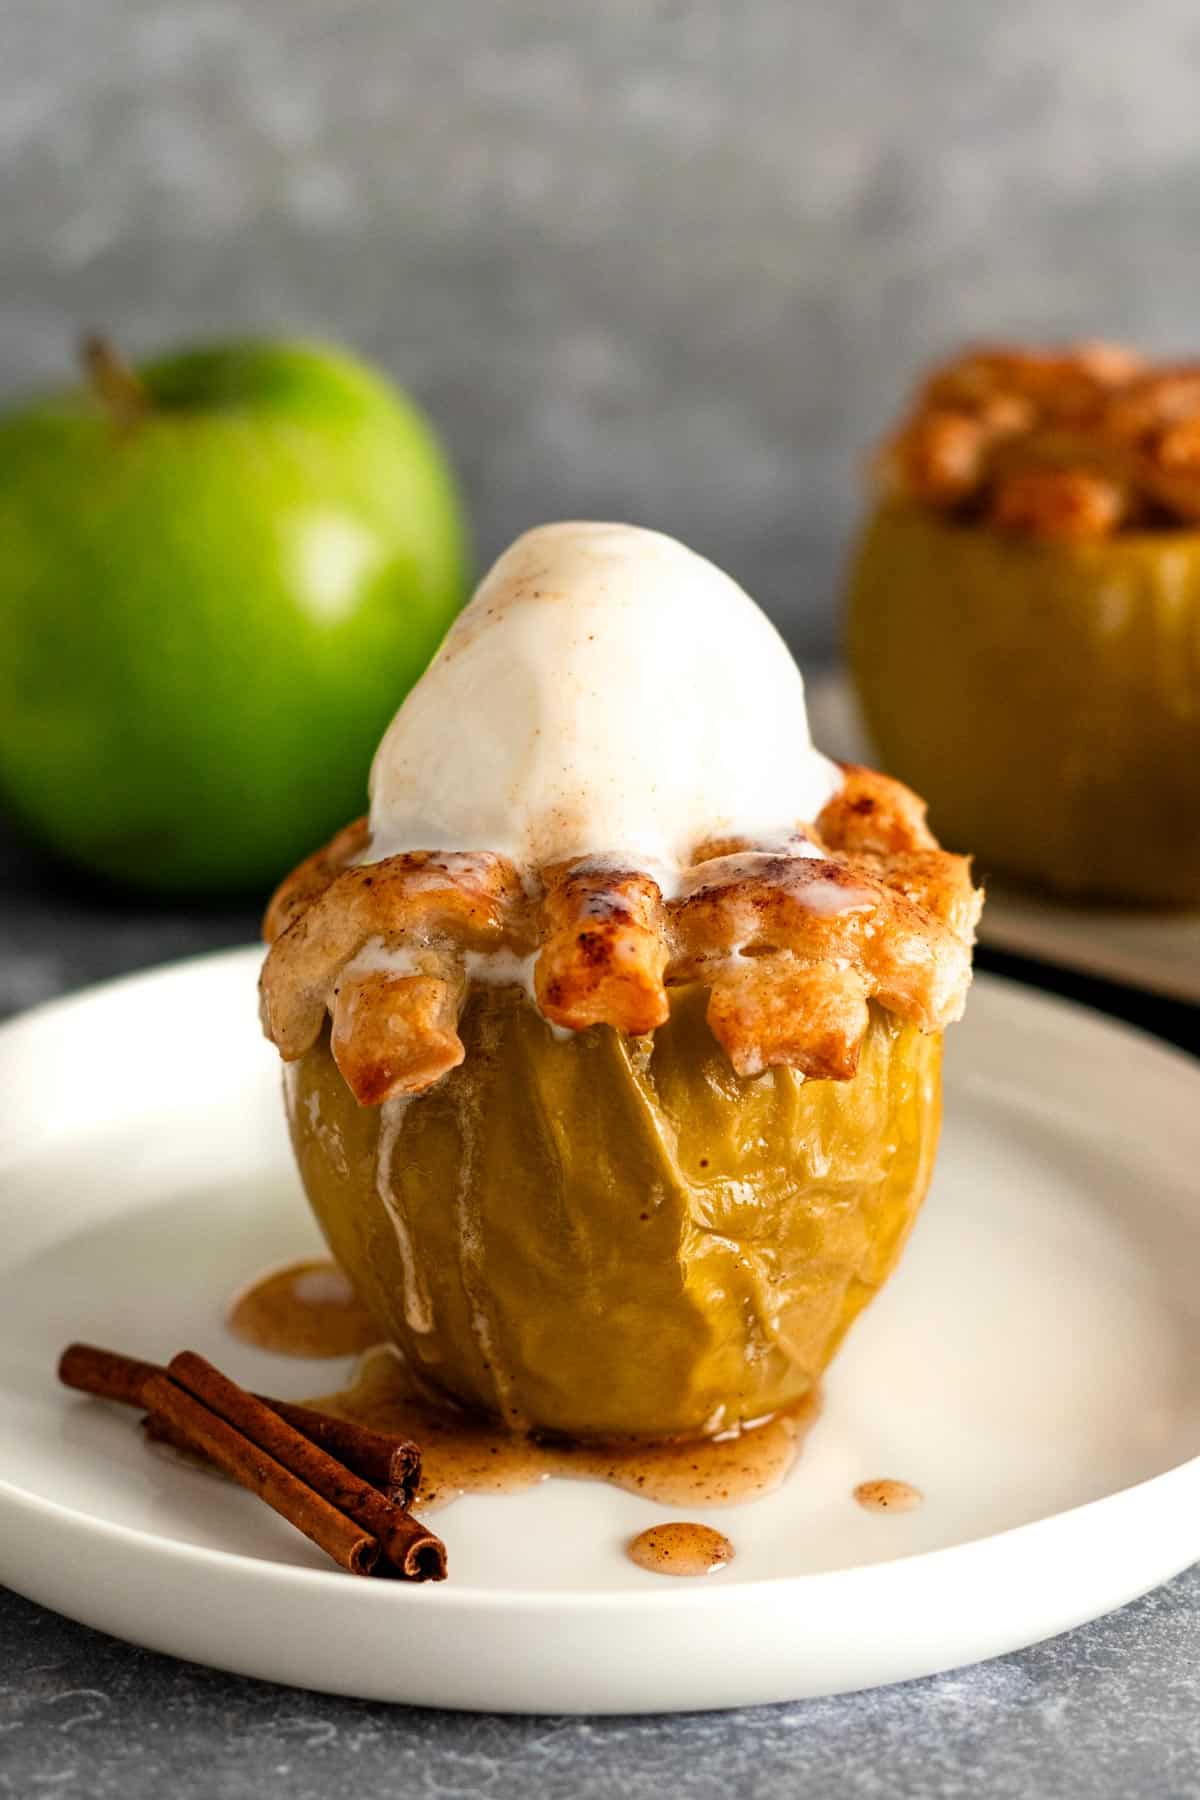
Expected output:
(461, 1454)
(680, 1548)
(888, 1496)
(303, 1309)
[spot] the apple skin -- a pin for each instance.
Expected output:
(209, 612)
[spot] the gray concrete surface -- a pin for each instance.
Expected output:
(672, 260)
(1108, 1713)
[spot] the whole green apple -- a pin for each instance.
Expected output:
(220, 575)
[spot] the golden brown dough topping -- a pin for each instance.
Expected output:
(792, 943)
(1067, 445)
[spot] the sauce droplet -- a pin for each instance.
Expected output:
(680, 1549)
(888, 1496)
(305, 1309)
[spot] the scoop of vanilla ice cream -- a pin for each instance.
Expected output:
(606, 692)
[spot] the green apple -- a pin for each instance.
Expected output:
(219, 578)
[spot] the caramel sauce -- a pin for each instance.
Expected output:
(888, 1496)
(305, 1309)
(462, 1454)
(680, 1549)
(309, 1309)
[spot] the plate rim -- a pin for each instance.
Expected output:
(483, 1647)
(1002, 990)
(545, 1600)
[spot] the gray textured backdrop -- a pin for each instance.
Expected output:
(670, 261)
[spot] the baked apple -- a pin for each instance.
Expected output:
(613, 1037)
(1024, 618)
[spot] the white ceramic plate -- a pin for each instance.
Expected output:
(1034, 1367)
(1155, 950)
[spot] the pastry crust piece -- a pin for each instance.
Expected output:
(774, 1010)
(793, 941)
(404, 904)
(1071, 445)
(605, 950)
(397, 1034)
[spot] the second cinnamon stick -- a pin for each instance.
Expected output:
(254, 1468)
(414, 1551)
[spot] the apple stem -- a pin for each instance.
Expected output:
(113, 379)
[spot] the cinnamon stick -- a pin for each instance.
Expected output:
(411, 1549)
(390, 1463)
(105, 1374)
(254, 1468)
(196, 1408)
